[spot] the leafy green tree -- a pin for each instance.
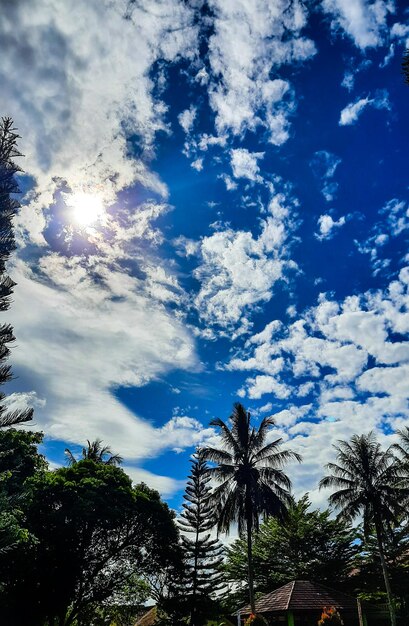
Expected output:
(367, 578)
(370, 483)
(202, 554)
(8, 209)
(19, 460)
(93, 532)
(308, 544)
(95, 451)
(252, 481)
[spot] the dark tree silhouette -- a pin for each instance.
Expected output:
(203, 555)
(405, 66)
(252, 481)
(370, 483)
(95, 451)
(8, 209)
(307, 545)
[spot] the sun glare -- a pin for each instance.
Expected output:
(87, 208)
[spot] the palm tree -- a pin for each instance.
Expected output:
(402, 449)
(95, 451)
(370, 483)
(252, 481)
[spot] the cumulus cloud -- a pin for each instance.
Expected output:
(363, 21)
(327, 226)
(351, 113)
(186, 118)
(239, 270)
(345, 347)
(249, 40)
(244, 164)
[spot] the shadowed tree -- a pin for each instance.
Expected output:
(402, 448)
(405, 66)
(203, 555)
(8, 209)
(307, 545)
(370, 483)
(95, 451)
(95, 534)
(252, 481)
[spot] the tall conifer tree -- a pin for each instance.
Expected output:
(8, 209)
(203, 555)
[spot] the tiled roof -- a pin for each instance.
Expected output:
(148, 618)
(302, 595)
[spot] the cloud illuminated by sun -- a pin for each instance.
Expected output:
(87, 208)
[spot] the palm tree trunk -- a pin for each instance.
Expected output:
(250, 565)
(391, 604)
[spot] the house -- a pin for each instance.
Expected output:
(301, 602)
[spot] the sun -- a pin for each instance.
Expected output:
(87, 208)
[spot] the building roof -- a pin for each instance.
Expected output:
(302, 595)
(148, 618)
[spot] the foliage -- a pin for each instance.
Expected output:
(370, 482)
(95, 451)
(367, 579)
(19, 460)
(330, 617)
(93, 531)
(202, 555)
(8, 209)
(308, 544)
(251, 480)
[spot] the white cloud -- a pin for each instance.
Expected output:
(244, 164)
(261, 384)
(85, 69)
(351, 113)
(186, 118)
(99, 335)
(249, 40)
(339, 351)
(328, 225)
(239, 270)
(365, 22)
(164, 484)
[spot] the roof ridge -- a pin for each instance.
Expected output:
(290, 594)
(338, 591)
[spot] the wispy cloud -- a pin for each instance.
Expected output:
(351, 113)
(363, 21)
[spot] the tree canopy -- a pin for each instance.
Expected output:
(372, 483)
(308, 544)
(93, 531)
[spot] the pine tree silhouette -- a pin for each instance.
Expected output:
(8, 209)
(203, 555)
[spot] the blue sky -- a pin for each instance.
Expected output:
(215, 208)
